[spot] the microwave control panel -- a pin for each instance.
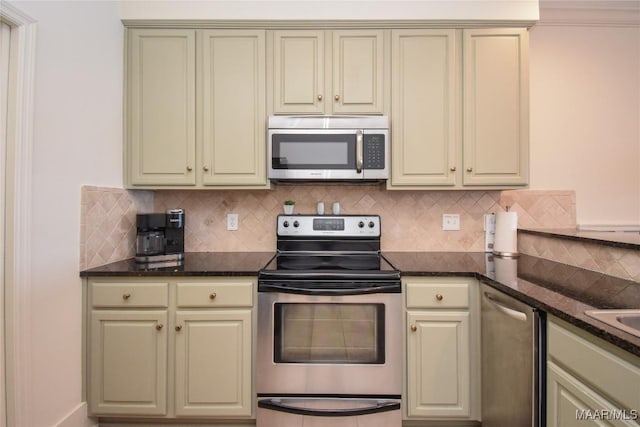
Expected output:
(373, 151)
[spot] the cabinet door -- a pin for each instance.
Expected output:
(438, 372)
(496, 106)
(298, 71)
(425, 82)
(358, 72)
(570, 403)
(160, 117)
(128, 362)
(213, 363)
(233, 107)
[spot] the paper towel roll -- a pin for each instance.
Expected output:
(506, 243)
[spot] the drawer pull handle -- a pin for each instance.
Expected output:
(439, 297)
(213, 296)
(159, 326)
(414, 328)
(178, 328)
(126, 296)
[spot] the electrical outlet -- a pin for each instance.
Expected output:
(450, 222)
(232, 221)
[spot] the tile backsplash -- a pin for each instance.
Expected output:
(108, 223)
(411, 220)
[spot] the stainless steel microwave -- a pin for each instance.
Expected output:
(331, 148)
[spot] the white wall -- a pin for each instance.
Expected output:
(77, 140)
(585, 116)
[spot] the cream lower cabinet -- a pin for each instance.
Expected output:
(195, 109)
(589, 382)
(327, 72)
(442, 349)
(460, 108)
(128, 360)
(171, 348)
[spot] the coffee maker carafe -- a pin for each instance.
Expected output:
(160, 237)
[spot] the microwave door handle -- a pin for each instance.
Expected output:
(359, 154)
(376, 407)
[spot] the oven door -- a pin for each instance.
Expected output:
(335, 342)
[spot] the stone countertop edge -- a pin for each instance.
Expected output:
(536, 293)
(616, 239)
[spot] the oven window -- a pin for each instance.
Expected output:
(329, 333)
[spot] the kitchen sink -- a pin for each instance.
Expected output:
(625, 320)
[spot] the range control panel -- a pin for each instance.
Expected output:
(329, 225)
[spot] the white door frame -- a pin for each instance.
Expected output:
(17, 324)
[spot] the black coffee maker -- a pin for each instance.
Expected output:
(160, 237)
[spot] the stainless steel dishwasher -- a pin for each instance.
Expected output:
(512, 357)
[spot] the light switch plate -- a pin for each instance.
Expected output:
(232, 221)
(450, 222)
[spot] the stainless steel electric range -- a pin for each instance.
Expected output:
(329, 322)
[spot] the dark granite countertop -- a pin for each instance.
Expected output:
(195, 264)
(559, 289)
(618, 239)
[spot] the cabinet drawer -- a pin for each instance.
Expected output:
(589, 360)
(437, 295)
(223, 294)
(121, 294)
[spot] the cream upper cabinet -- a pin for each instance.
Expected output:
(442, 348)
(496, 106)
(160, 107)
(424, 103)
(460, 108)
(195, 109)
(327, 72)
(232, 70)
(298, 71)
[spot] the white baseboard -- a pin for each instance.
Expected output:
(77, 418)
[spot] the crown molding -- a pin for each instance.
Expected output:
(613, 13)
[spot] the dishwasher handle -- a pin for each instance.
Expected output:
(511, 312)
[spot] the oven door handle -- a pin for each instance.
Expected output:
(378, 289)
(375, 408)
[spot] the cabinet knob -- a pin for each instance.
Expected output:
(469, 169)
(159, 326)
(205, 168)
(439, 297)
(213, 295)
(189, 168)
(452, 168)
(337, 97)
(126, 296)
(414, 328)
(320, 97)
(178, 328)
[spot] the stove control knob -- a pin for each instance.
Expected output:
(285, 224)
(361, 224)
(296, 224)
(371, 224)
